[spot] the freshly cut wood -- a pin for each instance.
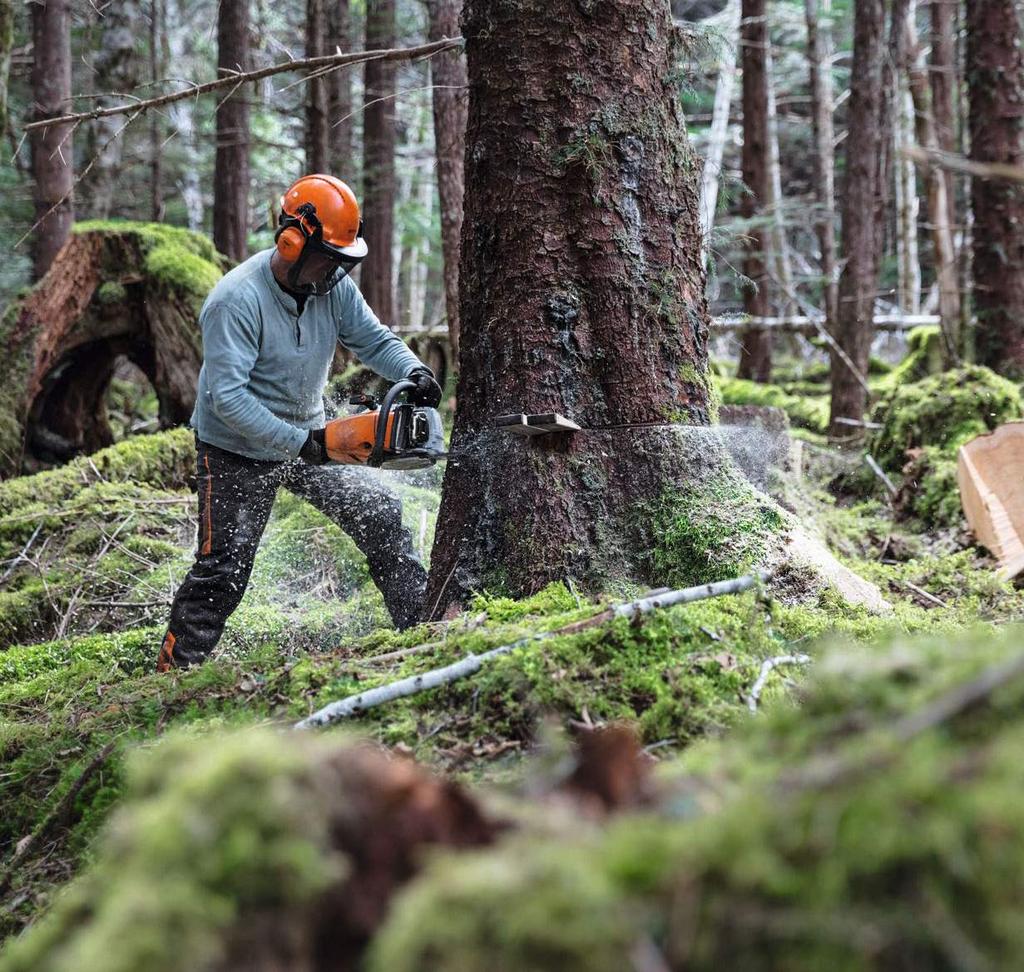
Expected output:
(990, 472)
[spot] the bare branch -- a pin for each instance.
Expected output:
(235, 78)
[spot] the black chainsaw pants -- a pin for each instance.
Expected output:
(236, 495)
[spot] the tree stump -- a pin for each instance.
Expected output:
(114, 289)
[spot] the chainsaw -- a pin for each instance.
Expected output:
(391, 435)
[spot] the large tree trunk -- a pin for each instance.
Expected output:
(157, 33)
(995, 74)
(582, 294)
(377, 274)
(943, 252)
(864, 200)
(756, 349)
(339, 94)
(115, 70)
(819, 59)
(450, 97)
(99, 301)
(52, 154)
(231, 165)
(317, 132)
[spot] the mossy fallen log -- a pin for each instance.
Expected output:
(115, 289)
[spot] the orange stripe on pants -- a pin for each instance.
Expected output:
(165, 660)
(208, 542)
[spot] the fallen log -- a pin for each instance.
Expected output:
(355, 704)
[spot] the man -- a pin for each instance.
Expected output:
(269, 331)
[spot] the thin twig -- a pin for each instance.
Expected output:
(880, 473)
(767, 667)
(920, 591)
(64, 805)
(22, 556)
(355, 704)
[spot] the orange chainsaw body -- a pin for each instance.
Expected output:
(349, 439)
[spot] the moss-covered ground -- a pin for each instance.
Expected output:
(90, 555)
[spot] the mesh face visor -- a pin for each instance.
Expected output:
(342, 259)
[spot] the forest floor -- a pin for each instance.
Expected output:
(90, 555)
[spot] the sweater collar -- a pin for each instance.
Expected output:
(285, 299)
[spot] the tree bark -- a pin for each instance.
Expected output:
(317, 141)
(779, 249)
(582, 294)
(231, 164)
(756, 347)
(339, 94)
(52, 151)
(995, 75)
(377, 274)
(115, 69)
(943, 251)
(819, 59)
(864, 201)
(450, 101)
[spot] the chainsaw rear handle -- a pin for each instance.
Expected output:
(377, 455)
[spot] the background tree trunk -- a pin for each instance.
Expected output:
(864, 200)
(995, 75)
(907, 207)
(231, 165)
(181, 116)
(943, 251)
(819, 59)
(582, 293)
(377, 274)
(52, 150)
(6, 44)
(712, 171)
(157, 62)
(116, 69)
(317, 145)
(756, 349)
(944, 81)
(339, 94)
(450, 100)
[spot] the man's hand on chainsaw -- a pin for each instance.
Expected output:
(314, 449)
(427, 391)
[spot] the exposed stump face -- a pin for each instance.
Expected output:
(115, 291)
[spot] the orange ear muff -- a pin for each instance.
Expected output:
(290, 242)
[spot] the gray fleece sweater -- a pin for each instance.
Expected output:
(265, 366)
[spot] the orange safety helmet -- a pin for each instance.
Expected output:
(320, 215)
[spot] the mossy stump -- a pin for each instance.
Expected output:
(115, 289)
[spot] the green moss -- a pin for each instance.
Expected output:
(711, 530)
(807, 411)
(211, 835)
(174, 266)
(943, 410)
(811, 838)
(111, 292)
(923, 358)
(923, 425)
(523, 910)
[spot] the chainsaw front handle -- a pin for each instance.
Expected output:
(377, 455)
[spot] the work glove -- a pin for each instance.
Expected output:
(427, 391)
(314, 450)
